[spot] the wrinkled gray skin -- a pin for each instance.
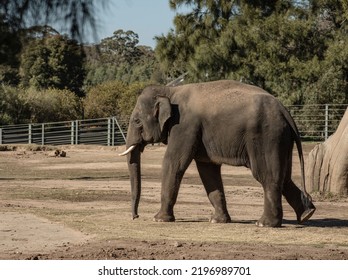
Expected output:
(215, 123)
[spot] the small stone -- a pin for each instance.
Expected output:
(177, 244)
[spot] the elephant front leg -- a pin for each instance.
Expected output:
(169, 194)
(211, 177)
(172, 173)
(273, 212)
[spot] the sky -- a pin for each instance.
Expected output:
(147, 18)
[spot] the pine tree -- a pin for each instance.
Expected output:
(293, 49)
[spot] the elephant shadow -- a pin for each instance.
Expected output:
(322, 223)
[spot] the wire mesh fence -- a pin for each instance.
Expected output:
(315, 123)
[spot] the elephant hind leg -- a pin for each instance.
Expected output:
(271, 177)
(302, 206)
(210, 174)
(273, 212)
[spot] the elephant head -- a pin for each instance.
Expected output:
(147, 125)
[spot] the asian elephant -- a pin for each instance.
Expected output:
(215, 123)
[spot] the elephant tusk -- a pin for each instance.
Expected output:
(131, 148)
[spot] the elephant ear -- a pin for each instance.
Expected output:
(163, 110)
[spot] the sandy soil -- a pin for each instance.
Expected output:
(78, 207)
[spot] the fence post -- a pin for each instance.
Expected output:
(30, 129)
(76, 132)
(72, 132)
(0, 136)
(113, 132)
(119, 127)
(43, 134)
(326, 131)
(109, 132)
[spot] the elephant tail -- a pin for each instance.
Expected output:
(297, 138)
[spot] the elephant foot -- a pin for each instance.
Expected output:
(163, 218)
(266, 222)
(220, 219)
(306, 210)
(305, 216)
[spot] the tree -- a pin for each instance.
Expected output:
(284, 46)
(112, 98)
(128, 99)
(121, 47)
(13, 108)
(330, 83)
(102, 100)
(19, 105)
(52, 105)
(10, 47)
(119, 57)
(53, 62)
(194, 45)
(78, 15)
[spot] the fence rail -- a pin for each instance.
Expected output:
(315, 123)
(108, 131)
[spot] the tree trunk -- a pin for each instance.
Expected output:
(327, 168)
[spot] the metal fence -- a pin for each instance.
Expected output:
(315, 122)
(108, 131)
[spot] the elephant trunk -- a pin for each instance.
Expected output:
(134, 148)
(133, 160)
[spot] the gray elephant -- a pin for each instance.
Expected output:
(215, 123)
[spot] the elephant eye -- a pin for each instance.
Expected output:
(137, 122)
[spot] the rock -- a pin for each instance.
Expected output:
(177, 244)
(327, 168)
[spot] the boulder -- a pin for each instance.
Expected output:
(327, 167)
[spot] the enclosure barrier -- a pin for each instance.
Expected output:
(315, 123)
(108, 131)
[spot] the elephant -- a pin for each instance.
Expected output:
(215, 123)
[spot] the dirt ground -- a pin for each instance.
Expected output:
(78, 207)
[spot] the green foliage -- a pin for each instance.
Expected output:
(128, 99)
(293, 49)
(113, 98)
(102, 100)
(297, 50)
(52, 105)
(76, 16)
(52, 68)
(10, 48)
(19, 105)
(119, 57)
(13, 109)
(53, 62)
(121, 47)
